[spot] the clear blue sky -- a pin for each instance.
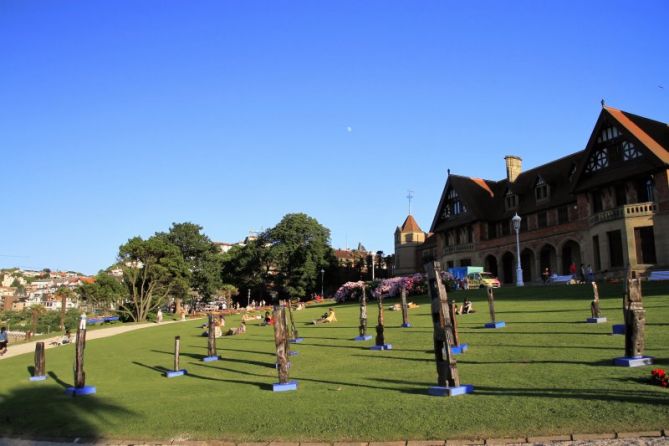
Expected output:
(118, 118)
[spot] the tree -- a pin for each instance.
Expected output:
(106, 291)
(63, 293)
(247, 266)
(200, 254)
(153, 270)
(299, 247)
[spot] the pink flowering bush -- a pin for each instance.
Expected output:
(414, 284)
(349, 290)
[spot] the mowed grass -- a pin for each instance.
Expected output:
(547, 372)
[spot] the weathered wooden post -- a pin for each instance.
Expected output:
(635, 328)
(491, 307)
(80, 387)
(176, 371)
(282, 348)
(595, 317)
(294, 337)
(363, 336)
(405, 309)
(448, 380)
(211, 340)
(456, 348)
(380, 336)
(39, 374)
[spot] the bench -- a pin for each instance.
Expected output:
(659, 275)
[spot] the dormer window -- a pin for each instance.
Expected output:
(510, 200)
(541, 190)
(454, 205)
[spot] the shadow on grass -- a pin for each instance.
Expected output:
(609, 395)
(158, 368)
(397, 357)
(36, 412)
(602, 363)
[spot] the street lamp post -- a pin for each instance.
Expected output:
(519, 270)
(372, 266)
(322, 280)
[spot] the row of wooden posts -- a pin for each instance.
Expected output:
(445, 332)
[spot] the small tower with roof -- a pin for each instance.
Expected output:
(408, 238)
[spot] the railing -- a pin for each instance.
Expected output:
(465, 247)
(626, 211)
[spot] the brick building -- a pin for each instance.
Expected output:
(606, 206)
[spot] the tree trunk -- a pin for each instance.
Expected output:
(447, 371)
(594, 307)
(280, 341)
(363, 313)
(635, 321)
(211, 336)
(380, 338)
(63, 304)
(40, 367)
(405, 310)
(491, 304)
(79, 374)
(177, 344)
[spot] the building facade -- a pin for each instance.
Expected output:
(408, 239)
(606, 206)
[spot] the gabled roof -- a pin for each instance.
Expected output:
(410, 225)
(652, 134)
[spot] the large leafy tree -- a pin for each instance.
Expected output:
(246, 266)
(299, 247)
(106, 291)
(153, 270)
(201, 255)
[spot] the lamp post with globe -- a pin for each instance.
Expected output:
(519, 270)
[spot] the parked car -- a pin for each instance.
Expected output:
(482, 279)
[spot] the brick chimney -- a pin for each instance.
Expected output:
(514, 165)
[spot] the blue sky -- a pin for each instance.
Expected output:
(118, 118)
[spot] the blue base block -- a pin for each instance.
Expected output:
(290, 385)
(76, 391)
(407, 325)
(618, 329)
(210, 358)
(499, 324)
(362, 338)
(382, 347)
(595, 320)
(638, 361)
(451, 391)
(293, 353)
(175, 373)
(38, 378)
(459, 349)
(296, 340)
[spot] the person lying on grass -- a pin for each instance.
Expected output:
(326, 318)
(236, 331)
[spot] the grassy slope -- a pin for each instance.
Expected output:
(547, 372)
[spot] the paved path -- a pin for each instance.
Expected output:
(29, 347)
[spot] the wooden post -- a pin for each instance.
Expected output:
(63, 304)
(177, 344)
(447, 371)
(293, 330)
(40, 367)
(363, 312)
(594, 306)
(454, 324)
(281, 343)
(491, 304)
(380, 339)
(635, 320)
(79, 374)
(211, 336)
(405, 310)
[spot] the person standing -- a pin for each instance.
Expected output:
(588, 271)
(4, 340)
(159, 316)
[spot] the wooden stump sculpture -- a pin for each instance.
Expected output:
(211, 339)
(594, 306)
(405, 309)
(80, 387)
(452, 309)
(282, 349)
(176, 371)
(491, 307)
(39, 374)
(362, 328)
(294, 337)
(635, 327)
(380, 343)
(448, 380)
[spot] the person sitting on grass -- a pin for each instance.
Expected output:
(268, 319)
(67, 339)
(4, 340)
(236, 331)
(467, 307)
(328, 317)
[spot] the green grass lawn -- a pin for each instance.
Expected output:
(547, 372)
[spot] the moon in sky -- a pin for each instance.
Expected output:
(349, 129)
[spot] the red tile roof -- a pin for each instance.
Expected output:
(642, 136)
(410, 225)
